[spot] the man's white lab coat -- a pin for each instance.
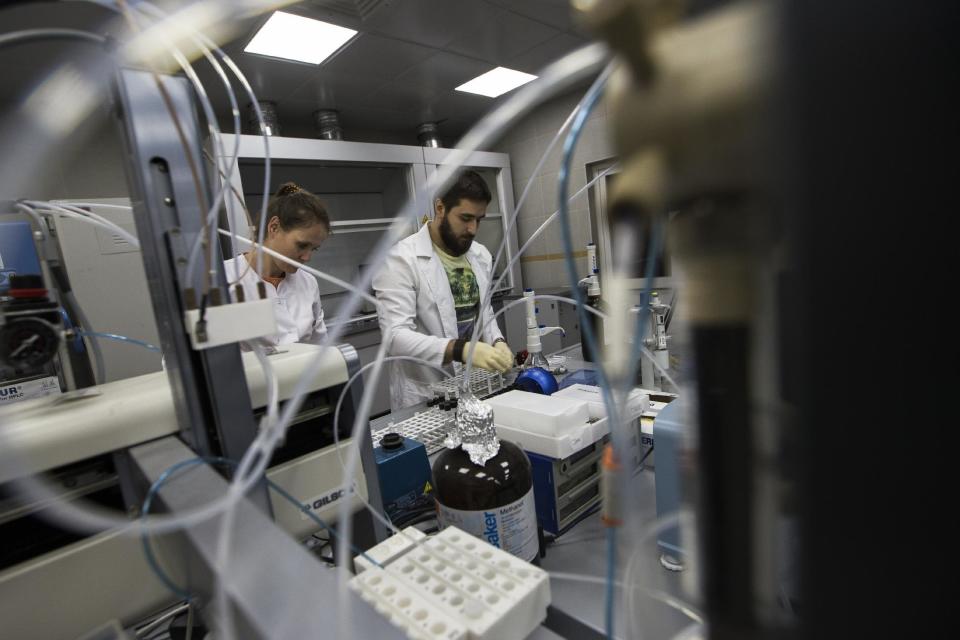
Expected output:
(416, 305)
(296, 302)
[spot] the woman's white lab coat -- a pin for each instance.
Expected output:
(296, 302)
(416, 305)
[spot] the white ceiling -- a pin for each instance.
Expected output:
(399, 71)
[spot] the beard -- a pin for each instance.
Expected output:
(455, 245)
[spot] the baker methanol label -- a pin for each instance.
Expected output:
(512, 527)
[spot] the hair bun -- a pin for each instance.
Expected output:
(288, 188)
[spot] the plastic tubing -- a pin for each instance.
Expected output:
(602, 78)
(550, 220)
(168, 474)
(30, 211)
(206, 45)
(231, 163)
(314, 272)
(214, 129)
(210, 221)
(119, 338)
(84, 322)
(618, 438)
(553, 79)
(349, 470)
(49, 208)
(97, 519)
(33, 35)
(600, 81)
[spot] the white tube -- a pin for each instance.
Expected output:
(50, 208)
(546, 223)
(30, 211)
(206, 44)
(306, 268)
(599, 81)
(554, 79)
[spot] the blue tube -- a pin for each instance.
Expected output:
(563, 180)
(168, 473)
(119, 338)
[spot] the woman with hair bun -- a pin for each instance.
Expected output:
(297, 224)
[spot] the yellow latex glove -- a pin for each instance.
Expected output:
(490, 358)
(505, 348)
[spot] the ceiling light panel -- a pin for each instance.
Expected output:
(497, 82)
(293, 37)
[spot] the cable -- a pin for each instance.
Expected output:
(156, 622)
(49, 208)
(206, 42)
(119, 338)
(246, 212)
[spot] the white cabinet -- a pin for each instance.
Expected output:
(365, 186)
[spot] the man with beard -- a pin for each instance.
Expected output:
(430, 292)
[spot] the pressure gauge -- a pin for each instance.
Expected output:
(28, 343)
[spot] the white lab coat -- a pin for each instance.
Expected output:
(296, 302)
(416, 305)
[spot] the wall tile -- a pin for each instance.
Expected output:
(533, 205)
(524, 157)
(552, 162)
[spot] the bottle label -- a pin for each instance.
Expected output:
(512, 527)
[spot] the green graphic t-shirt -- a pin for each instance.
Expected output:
(463, 286)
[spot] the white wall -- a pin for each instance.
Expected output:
(542, 265)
